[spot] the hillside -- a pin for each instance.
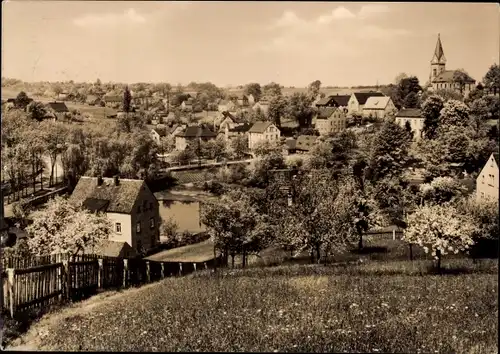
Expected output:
(376, 307)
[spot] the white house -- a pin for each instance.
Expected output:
(414, 117)
(262, 131)
(487, 181)
(378, 107)
(251, 100)
(330, 119)
(358, 99)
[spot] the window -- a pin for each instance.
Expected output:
(482, 180)
(138, 227)
(150, 206)
(152, 223)
(118, 227)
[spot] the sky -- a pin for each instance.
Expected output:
(235, 43)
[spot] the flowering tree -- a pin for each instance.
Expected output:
(440, 229)
(64, 228)
(442, 190)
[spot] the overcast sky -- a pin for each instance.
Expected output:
(235, 43)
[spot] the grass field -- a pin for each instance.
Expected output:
(199, 252)
(289, 309)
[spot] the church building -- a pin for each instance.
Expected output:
(440, 78)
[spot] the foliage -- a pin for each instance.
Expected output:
(127, 100)
(262, 171)
(277, 109)
(239, 146)
(440, 229)
(454, 113)
(411, 101)
(389, 151)
(449, 94)
(313, 89)
(492, 79)
(184, 156)
(253, 89)
(22, 100)
(213, 149)
(300, 109)
(442, 190)
(64, 228)
(485, 215)
(460, 77)
(272, 89)
(266, 147)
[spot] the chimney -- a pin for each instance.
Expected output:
(117, 180)
(99, 181)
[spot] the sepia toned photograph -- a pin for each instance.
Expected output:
(244, 176)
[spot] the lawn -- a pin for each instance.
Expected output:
(198, 252)
(361, 308)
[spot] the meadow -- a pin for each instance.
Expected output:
(396, 306)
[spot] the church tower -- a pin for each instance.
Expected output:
(438, 62)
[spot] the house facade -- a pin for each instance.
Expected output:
(357, 101)
(193, 134)
(440, 78)
(231, 132)
(263, 105)
(130, 206)
(261, 131)
(415, 118)
(330, 119)
(487, 181)
(378, 107)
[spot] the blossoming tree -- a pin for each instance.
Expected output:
(440, 229)
(64, 228)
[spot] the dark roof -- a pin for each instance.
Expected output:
(11, 100)
(94, 204)
(259, 127)
(305, 142)
(323, 101)
(161, 131)
(121, 198)
(326, 112)
(197, 132)
(291, 143)
(438, 52)
(341, 100)
(241, 128)
(110, 248)
(59, 107)
(448, 76)
(410, 113)
(363, 96)
(112, 99)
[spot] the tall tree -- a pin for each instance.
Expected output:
(253, 89)
(460, 78)
(431, 110)
(411, 100)
(277, 108)
(22, 100)
(36, 111)
(127, 100)
(492, 79)
(272, 89)
(313, 89)
(299, 108)
(454, 113)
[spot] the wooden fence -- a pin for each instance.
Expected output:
(41, 281)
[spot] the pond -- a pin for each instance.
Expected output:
(186, 213)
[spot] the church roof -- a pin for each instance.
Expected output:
(448, 76)
(438, 53)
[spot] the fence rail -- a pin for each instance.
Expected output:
(41, 281)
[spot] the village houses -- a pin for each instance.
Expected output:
(56, 110)
(130, 206)
(414, 117)
(440, 78)
(378, 107)
(487, 181)
(263, 105)
(358, 99)
(229, 132)
(261, 131)
(226, 106)
(193, 134)
(302, 145)
(330, 119)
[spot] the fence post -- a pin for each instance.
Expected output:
(100, 275)
(125, 272)
(206, 266)
(393, 235)
(11, 278)
(194, 265)
(162, 270)
(180, 269)
(148, 272)
(66, 279)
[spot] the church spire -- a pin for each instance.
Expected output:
(438, 57)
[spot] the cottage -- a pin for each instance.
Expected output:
(242, 101)
(415, 118)
(193, 134)
(487, 181)
(229, 120)
(440, 78)
(378, 107)
(262, 131)
(128, 203)
(330, 119)
(327, 101)
(187, 105)
(113, 101)
(358, 100)
(157, 134)
(56, 110)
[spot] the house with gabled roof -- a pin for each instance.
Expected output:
(261, 131)
(128, 203)
(240, 129)
(263, 105)
(378, 107)
(487, 182)
(326, 101)
(56, 110)
(414, 117)
(305, 143)
(192, 135)
(158, 133)
(358, 99)
(113, 101)
(330, 119)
